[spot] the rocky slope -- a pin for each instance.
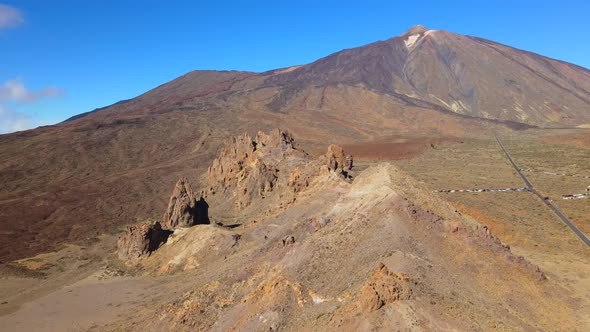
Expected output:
(111, 167)
(373, 252)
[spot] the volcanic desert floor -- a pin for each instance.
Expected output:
(342, 233)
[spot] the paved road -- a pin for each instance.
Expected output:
(547, 202)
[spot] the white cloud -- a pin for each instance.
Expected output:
(10, 17)
(12, 121)
(15, 90)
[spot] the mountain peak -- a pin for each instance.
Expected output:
(416, 29)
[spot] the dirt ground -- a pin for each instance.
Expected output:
(520, 219)
(395, 147)
(85, 288)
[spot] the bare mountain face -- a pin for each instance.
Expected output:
(114, 166)
(466, 75)
(434, 69)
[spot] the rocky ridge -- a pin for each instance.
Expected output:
(312, 263)
(250, 169)
(269, 167)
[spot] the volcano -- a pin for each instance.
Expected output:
(110, 166)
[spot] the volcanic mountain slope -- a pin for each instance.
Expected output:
(376, 253)
(465, 75)
(112, 166)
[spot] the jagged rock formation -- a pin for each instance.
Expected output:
(338, 162)
(296, 181)
(246, 169)
(276, 140)
(374, 219)
(305, 260)
(249, 169)
(184, 209)
(384, 287)
(247, 165)
(336, 157)
(140, 241)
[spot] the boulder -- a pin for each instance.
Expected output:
(299, 179)
(338, 162)
(184, 209)
(335, 158)
(140, 240)
(384, 287)
(288, 240)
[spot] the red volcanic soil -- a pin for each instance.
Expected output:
(394, 147)
(580, 138)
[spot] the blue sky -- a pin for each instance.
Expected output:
(61, 58)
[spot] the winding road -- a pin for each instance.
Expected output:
(547, 202)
